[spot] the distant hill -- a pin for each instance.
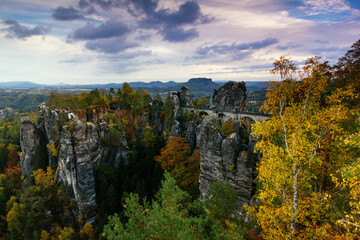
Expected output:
(197, 86)
(201, 83)
(20, 85)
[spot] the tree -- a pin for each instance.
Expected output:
(174, 157)
(176, 151)
(347, 70)
(172, 216)
(127, 96)
(40, 207)
(167, 218)
(290, 143)
(349, 182)
(223, 201)
(203, 101)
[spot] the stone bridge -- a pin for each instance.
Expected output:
(227, 114)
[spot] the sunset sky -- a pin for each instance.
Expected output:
(104, 41)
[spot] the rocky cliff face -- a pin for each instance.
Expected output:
(223, 159)
(74, 148)
(231, 96)
(184, 96)
(29, 139)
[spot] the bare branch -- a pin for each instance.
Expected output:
(282, 193)
(349, 223)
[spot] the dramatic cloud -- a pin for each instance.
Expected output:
(168, 23)
(110, 45)
(188, 13)
(90, 31)
(108, 37)
(66, 14)
(237, 51)
(179, 34)
(17, 30)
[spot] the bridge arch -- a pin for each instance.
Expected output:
(201, 113)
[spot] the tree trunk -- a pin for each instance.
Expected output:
(324, 167)
(295, 201)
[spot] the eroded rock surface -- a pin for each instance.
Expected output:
(184, 96)
(223, 159)
(29, 139)
(231, 96)
(79, 148)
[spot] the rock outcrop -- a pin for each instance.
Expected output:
(176, 101)
(29, 139)
(75, 148)
(231, 96)
(184, 96)
(225, 159)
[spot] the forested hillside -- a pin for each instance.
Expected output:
(119, 164)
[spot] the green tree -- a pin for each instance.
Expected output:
(127, 96)
(167, 218)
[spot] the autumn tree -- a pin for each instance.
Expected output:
(348, 183)
(347, 70)
(290, 143)
(175, 158)
(41, 206)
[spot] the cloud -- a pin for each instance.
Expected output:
(17, 30)
(289, 46)
(104, 4)
(66, 14)
(126, 55)
(108, 37)
(188, 13)
(235, 50)
(110, 45)
(179, 34)
(316, 7)
(90, 31)
(168, 23)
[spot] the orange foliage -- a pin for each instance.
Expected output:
(175, 151)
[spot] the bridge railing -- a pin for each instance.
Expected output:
(227, 111)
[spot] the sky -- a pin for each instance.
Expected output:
(115, 41)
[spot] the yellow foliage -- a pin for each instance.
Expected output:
(290, 143)
(54, 151)
(88, 232)
(44, 235)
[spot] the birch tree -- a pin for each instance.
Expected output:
(303, 115)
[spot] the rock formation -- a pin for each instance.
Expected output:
(231, 96)
(222, 159)
(29, 139)
(75, 148)
(176, 101)
(227, 158)
(184, 96)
